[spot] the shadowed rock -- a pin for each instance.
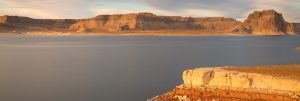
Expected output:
(9, 24)
(266, 22)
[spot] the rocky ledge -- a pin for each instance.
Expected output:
(264, 83)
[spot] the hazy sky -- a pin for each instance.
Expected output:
(238, 9)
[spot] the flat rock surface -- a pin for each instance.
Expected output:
(263, 83)
(292, 71)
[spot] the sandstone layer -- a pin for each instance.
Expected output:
(24, 24)
(149, 21)
(234, 83)
(266, 22)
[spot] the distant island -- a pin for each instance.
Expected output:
(266, 22)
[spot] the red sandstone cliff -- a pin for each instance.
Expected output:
(266, 22)
(149, 21)
(17, 23)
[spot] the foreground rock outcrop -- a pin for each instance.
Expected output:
(227, 83)
(267, 22)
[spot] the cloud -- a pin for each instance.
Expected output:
(238, 9)
(123, 11)
(226, 7)
(183, 12)
(47, 8)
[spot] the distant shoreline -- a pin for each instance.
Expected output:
(133, 33)
(258, 23)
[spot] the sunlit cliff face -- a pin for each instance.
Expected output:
(237, 83)
(197, 8)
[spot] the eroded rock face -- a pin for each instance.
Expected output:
(217, 77)
(149, 21)
(122, 22)
(106, 23)
(221, 84)
(266, 22)
(29, 24)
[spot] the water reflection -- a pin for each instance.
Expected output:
(129, 68)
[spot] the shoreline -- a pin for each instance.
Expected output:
(181, 93)
(129, 34)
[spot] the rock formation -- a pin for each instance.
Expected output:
(17, 23)
(222, 83)
(266, 22)
(149, 21)
(218, 77)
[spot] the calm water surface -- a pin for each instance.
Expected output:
(123, 68)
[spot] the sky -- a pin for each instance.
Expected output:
(58, 9)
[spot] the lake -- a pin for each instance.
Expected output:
(123, 68)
